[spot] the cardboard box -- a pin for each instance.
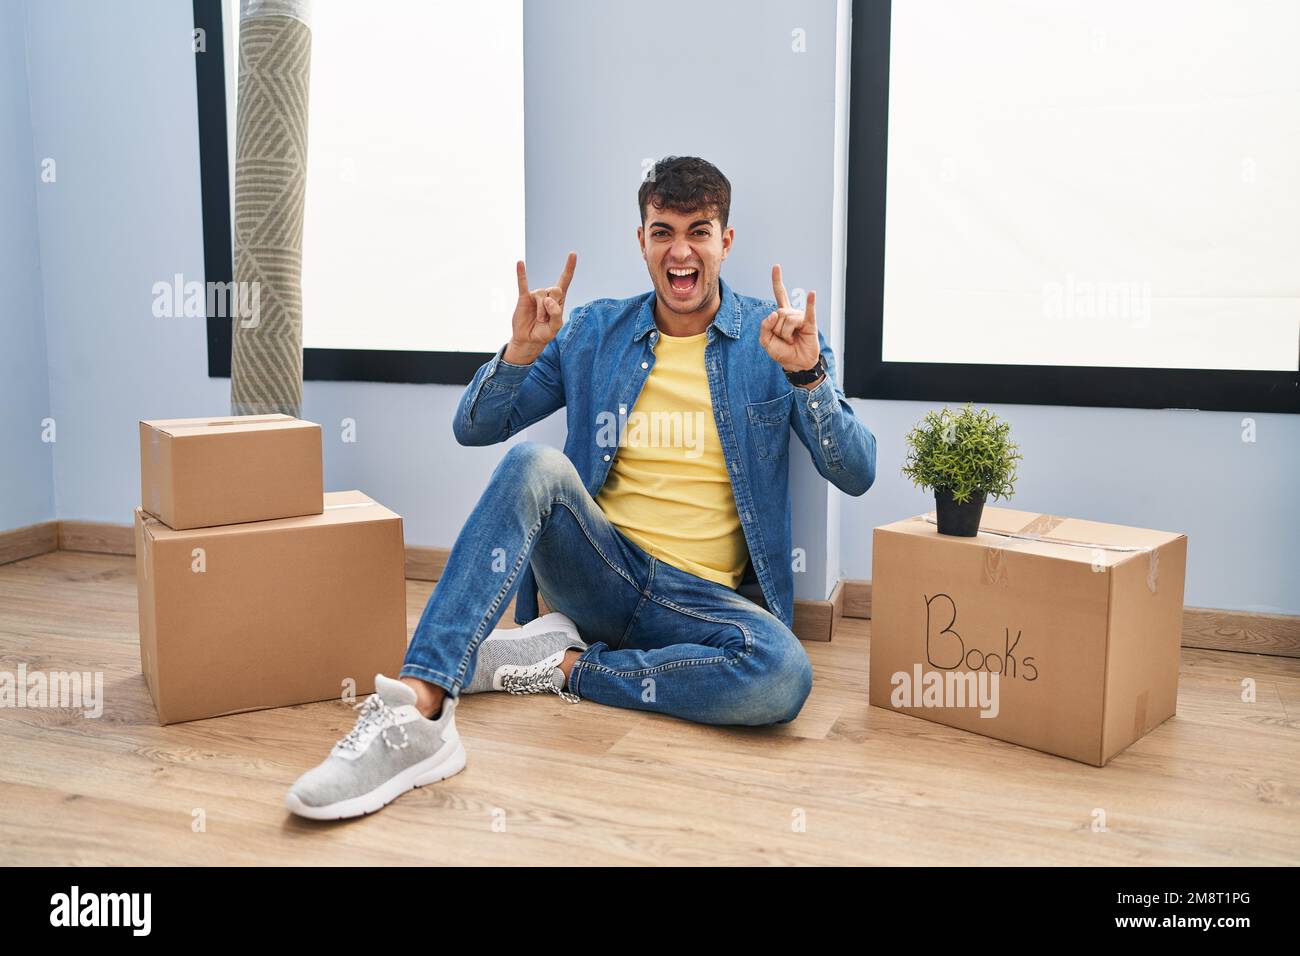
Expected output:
(249, 616)
(201, 472)
(1082, 621)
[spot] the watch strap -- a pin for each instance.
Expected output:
(810, 375)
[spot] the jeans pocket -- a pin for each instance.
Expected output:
(769, 426)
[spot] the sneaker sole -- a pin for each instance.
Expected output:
(445, 763)
(554, 621)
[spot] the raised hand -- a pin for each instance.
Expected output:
(790, 335)
(539, 314)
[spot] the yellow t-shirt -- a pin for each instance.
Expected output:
(668, 488)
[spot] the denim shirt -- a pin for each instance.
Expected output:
(598, 362)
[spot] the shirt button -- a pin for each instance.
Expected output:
(607, 457)
(826, 441)
(645, 364)
(813, 404)
(746, 516)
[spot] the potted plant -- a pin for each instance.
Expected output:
(965, 456)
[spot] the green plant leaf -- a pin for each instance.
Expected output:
(965, 452)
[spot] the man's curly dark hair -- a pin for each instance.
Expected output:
(685, 184)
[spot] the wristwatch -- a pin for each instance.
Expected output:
(811, 375)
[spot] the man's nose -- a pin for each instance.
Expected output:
(680, 252)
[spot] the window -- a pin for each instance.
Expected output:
(1092, 205)
(415, 185)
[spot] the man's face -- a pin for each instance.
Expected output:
(684, 253)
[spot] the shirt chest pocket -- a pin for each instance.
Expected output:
(769, 426)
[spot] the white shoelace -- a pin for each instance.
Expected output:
(375, 714)
(535, 682)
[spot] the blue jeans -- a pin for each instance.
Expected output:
(660, 639)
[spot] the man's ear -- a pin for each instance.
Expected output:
(728, 237)
(640, 240)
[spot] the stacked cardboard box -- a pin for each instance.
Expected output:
(257, 590)
(1080, 622)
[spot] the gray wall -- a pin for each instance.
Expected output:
(26, 478)
(601, 82)
(124, 218)
(123, 215)
(112, 99)
(113, 96)
(1173, 470)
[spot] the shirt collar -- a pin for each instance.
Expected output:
(727, 319)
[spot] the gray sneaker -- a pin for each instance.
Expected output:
(392, 749)
(526, 660)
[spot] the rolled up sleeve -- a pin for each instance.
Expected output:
(503, 398)
(843, 449)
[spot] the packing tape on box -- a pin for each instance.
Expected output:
(153, 501)
(995, 560)
(995, 566)
(249, 420)
(1140, 714)
(1040, 526)
(147, 557)
(352, 504)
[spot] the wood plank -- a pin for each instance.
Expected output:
(1241, 631)
(1206, 628)
(812, 620)
(28, 542)
(550, 782)
(857, 598)
(837, 607)
(425, 564)
(97, 536)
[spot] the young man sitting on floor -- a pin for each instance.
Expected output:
(671, 492)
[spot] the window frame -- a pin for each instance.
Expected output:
(335, 365)
(868, 375)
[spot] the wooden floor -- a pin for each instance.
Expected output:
(550, 782)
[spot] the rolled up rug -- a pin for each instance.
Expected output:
(270, 188)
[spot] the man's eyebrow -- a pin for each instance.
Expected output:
(697, 222)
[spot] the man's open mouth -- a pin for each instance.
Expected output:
(683, 279)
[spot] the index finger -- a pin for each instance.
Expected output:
(521, 276)
(566, 276)
(778, 288)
